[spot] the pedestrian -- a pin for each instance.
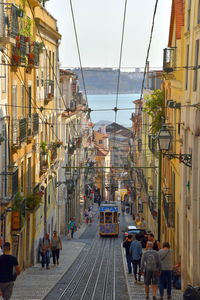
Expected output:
(56, 246)
(136, 254)
(144, 224)
(45, 247)
(8, 263)
(86, 213)
(72, 226)
(90, 216)
(126, 244)
(166, 270)
(150, 267)
(1, 245)
(156, 243)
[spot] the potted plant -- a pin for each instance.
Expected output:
(33, 201)
(43, 146)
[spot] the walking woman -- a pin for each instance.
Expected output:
(56, 246)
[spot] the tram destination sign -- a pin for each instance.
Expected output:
(109, 208)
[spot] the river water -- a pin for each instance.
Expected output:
(104, 102)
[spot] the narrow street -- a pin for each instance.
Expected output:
(97, 272)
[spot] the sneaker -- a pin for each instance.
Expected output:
(147, 297)
(169, 297)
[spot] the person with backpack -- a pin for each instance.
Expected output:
(45, 246)
(166, 270)
(56, 246)
(150, 267)
(136, 253)
(72, 226)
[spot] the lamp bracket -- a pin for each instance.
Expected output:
(186, 159)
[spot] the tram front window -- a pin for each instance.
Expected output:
(108, 217)
(101, 217)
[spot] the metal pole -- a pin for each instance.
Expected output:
(159, 194)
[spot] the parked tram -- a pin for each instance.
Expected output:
(109, 220)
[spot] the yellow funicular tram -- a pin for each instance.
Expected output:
(108, 219)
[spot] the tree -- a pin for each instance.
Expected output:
(154, 106)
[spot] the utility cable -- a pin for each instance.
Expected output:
(148, 49)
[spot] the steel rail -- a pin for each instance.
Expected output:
(97, 277)
(87, 261)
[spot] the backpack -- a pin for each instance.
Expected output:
(151, 264)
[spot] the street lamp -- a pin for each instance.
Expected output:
(164, 138)
(164, 141)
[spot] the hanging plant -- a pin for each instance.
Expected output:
(33, 201)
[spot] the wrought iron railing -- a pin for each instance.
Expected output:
(153, 206)
(35, 120)
(15, 182)
(49, 89)
(9, 25)
(22, 129)
(169, 59)
(169, 209)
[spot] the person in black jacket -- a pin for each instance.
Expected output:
(126, 245)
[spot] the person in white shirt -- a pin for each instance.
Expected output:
(1, 245)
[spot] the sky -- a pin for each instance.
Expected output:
(99, 28)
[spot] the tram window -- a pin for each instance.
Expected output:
(101, 217)
(115, 217)
(108, 216)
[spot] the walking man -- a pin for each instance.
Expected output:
(166, 270)
(136, 253)
(156, 244)
(150, 267)
(126, 245)
(7, 264)
(56, 246)
(45, 246)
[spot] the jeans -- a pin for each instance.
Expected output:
(165, 282)
(45, 258)
(129, 263)
(72, 233)
(56, 254)
(136, 266)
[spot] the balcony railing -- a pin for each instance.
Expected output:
(9, 25)
(15, 182)
(35, 120)
(22, 129)
(153, 207)
(49, 91)
(152, 143)
(169, 59)
(169, 209)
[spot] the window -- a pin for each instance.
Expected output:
(100, 142)
(188, 15)
(196, 62)
(108, 217)
(29, 177)
(198, 13)
(186, 70)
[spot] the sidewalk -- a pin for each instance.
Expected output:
(34, 283)
(136, 290)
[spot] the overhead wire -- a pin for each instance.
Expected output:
(148, 49)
